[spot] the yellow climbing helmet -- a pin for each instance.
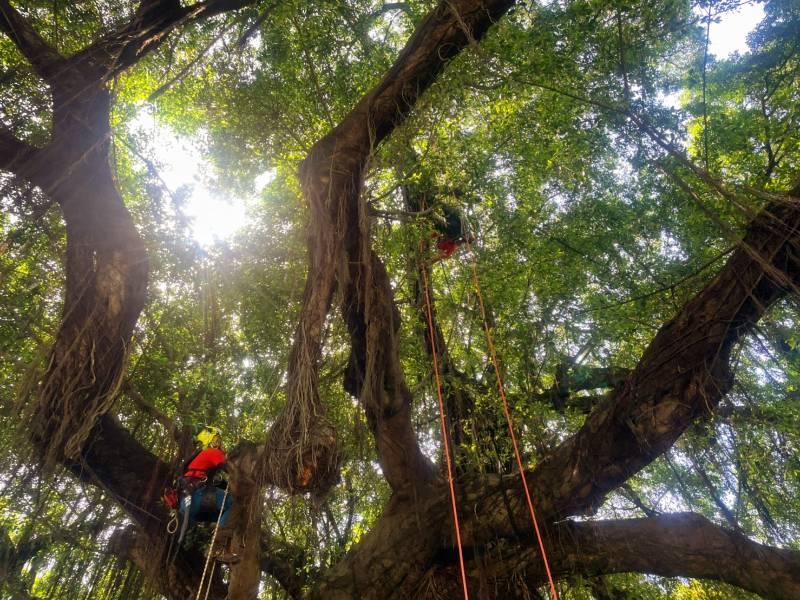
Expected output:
(207, 436)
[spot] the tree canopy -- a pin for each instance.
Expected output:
(628, 283)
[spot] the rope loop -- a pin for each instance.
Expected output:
(172, 526)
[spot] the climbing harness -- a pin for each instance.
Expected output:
(445, 436)
(180, 518)
(501, 388)
(178, 498)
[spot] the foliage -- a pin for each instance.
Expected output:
(586, 243)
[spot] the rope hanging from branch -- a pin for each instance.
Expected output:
(501, 389)
(445, 436)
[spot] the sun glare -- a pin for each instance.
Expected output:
(214, 216)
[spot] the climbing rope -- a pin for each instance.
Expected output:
(172, 526)
(211, 550)
(171, 531)
(445, 436)
(509, 421)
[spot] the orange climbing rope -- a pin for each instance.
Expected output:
(445, 437)
(507, 411)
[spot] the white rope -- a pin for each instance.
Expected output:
(211, 549)
(172, 526)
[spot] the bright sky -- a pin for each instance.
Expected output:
(730, 34)
(216, 216)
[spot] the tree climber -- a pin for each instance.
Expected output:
(451, 231)
(203, 500)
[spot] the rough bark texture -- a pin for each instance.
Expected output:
(675, 545)
(115, 461)
(681, 377)
(245, 521)
(135, 478)
(341, 256)
(106, 274)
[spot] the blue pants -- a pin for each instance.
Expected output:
(197, 514)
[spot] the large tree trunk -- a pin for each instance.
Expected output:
(246, 521)
(410, 553)
(341, 255)
(106, 279)
(106, 272)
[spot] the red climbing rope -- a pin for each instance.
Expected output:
(445, 437)
(507, 411)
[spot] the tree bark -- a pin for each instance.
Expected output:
(246, 522)
(45, 60)
(106, 268)
(340, 253)
(114, 461)
(106, 276)
(674, 545)
(681, 377)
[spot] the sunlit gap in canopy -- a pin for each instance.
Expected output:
(214, 215)
(727, 34)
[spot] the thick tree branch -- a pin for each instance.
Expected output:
(339, 249)
(147, 8)
(43, 57)
(153, 22)
(176, 579)
(673, 545)
(682, 376)
(15, 155)
(114, 461)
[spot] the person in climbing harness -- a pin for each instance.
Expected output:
(451, 231)
(201, 500)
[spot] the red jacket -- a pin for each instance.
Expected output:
(206, 461)
(447, 247)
